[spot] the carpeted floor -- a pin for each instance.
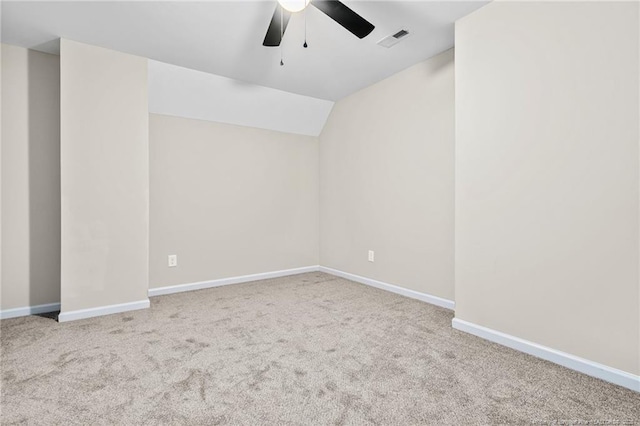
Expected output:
(307, 349)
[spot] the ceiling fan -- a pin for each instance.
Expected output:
(334, 9)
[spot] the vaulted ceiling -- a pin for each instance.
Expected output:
(225, 38)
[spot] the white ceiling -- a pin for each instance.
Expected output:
(225, 38)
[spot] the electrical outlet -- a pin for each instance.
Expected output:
(371, 256)
(173, 260)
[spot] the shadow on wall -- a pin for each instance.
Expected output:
(44, 178)
(443, 65)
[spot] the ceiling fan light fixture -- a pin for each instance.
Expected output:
(294, 5)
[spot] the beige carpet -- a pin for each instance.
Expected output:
(308, 349)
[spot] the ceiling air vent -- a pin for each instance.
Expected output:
(389, 41)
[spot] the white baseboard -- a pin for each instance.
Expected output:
(228, 281)
(29, 310)
(103, 310)
(590, 368)
(434, 300)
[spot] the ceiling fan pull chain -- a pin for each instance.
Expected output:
(305, 45)
(281, 35)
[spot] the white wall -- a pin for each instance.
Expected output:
(188, 93)
(547, 175)
(30, 178)
(105, 177)
(386, 167)
(230, 200)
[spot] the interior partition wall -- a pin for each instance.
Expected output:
(104, 181)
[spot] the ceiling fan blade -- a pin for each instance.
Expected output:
(277, 26)
(344, 16)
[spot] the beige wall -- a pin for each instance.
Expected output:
(1, 168)
(230, 200)
(386, 166)
(105, 177)
(547, 176)
(30, 178)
